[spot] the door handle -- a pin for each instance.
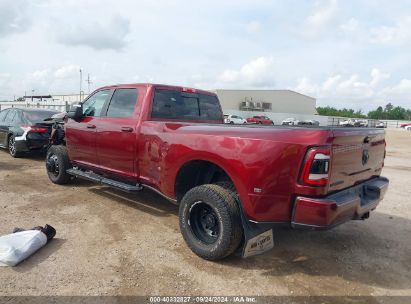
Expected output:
(126, 129)
(91, 126)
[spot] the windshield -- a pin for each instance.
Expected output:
(38, 115)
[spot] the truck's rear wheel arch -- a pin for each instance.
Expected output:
(198, 172)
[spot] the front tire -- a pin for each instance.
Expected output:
(57, 163)
(210, 221)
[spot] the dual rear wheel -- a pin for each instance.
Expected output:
(210, 221)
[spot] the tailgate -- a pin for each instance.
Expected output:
(357, 155)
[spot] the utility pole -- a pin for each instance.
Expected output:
(81, 81)
(88, 82)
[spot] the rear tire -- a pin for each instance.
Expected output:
(210, 221)
(12, 147)
(57, 163)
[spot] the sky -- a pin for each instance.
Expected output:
(345, 53)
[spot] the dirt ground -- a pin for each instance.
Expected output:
(111, 243)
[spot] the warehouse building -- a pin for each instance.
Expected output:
(275, 101)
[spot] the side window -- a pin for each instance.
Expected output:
(122, 103)
(209, 108)
(185, 106)
(10, 116)
(95, 103)
(3, 115)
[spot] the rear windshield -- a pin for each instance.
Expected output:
(38, 115)
(169, 104)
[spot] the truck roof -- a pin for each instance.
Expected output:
(161, 86)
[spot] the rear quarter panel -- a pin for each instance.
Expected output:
(265, 158)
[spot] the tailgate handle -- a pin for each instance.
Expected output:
(126, 129)
(91, 126)
(366, 140)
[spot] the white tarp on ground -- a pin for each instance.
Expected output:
(18, 246)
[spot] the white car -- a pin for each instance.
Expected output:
(380, 124)
(289, 122)
(234, 119)
(348, 123)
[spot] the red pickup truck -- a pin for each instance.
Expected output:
(233, 184)
(260, 120)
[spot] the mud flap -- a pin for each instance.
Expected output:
(258, 238)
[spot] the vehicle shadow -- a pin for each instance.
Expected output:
(8, 166)
(146, 201)
(40, 256)
(37, 156)
(376, 252)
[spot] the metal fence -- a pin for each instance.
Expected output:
(59, 106)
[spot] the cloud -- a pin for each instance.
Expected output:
(397, 34)
(104, 34)
(351, 91)
(378, 77)
(14, 16)
(4, 83)
(316, 23)
(253, 27)
(350, 26)
(340, 87)
(257, 73)
(401, 90)
(67, 71)
(40, 75)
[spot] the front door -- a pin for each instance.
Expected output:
(81, 135)
(117, 134)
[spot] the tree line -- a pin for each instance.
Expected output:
(388, 112)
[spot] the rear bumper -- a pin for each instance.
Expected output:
(26, 145)
(352, 203)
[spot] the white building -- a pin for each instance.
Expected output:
(276, 101)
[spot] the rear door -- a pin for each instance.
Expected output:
(81, 135)
(357, 155)
(117, 134)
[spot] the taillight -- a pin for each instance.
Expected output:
(34, 129)
(316, 167)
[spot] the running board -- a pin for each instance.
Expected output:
(91, 176)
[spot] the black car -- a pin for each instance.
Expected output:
(24, 130)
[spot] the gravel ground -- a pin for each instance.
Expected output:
(111, 243)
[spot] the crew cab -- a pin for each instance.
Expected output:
(233, 184)
(260, 119)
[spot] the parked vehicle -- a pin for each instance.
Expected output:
(347, 123)
(289, 122)
(232, 185)
(408, 128)
(309, 122)
(362, 123)
(24, 130)
(234, 119)
(380, 124)
(405, 125)
(353, 123)
(260, 119)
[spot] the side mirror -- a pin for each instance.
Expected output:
(75, 112)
